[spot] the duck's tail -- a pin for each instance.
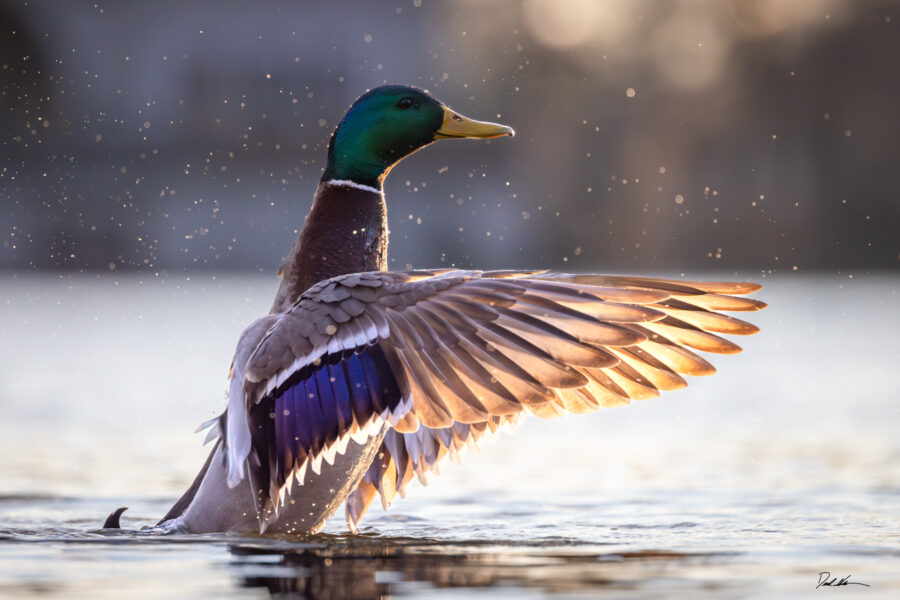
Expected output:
(112, 521)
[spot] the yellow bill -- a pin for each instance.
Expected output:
(458, 126)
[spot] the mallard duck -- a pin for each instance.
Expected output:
(360, 379)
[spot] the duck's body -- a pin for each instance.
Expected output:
(359, 379)
(346, 232)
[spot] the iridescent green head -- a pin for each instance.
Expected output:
(391, 122)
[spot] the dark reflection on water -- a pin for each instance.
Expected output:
(373, 566)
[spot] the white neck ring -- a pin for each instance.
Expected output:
(352, 184)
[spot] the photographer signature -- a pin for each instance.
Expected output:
(825, 579)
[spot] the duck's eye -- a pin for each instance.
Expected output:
(405, 103)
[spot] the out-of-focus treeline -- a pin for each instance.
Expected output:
(757, 135)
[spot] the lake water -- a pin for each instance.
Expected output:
(746, 485)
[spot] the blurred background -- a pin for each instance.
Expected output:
(752, 135)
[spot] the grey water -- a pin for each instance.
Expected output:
(748, 484)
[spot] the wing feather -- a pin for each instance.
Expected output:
(445, 357)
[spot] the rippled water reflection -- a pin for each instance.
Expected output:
(784, 464)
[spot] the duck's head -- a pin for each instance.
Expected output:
(390, 122)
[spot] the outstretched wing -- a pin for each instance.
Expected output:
(645, 369)
(465, 349)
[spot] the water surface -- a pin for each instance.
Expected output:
(746, 485)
